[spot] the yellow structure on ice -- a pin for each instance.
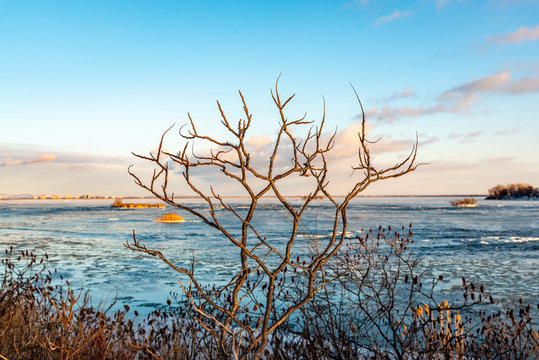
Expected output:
(170, 218)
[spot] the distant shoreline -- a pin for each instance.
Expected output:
(231, 197)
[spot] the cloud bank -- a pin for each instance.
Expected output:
(40, 159)
(459, 99)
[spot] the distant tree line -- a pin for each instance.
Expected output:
(509, 191)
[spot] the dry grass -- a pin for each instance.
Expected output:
(39, 320)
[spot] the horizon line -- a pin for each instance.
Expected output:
(97, 197)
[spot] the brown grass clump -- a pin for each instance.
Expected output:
(44, 317)
(466, 202)
(42, 321)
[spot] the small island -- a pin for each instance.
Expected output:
(466, 202)
(513, 191)
(170, 218)
(120, 205)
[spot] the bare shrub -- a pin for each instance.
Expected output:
(385, 305)
(242, 314)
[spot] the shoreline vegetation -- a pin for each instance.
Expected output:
(119, 204)
(466, 202)
(499, 192)
(43, 317)
(513, 192)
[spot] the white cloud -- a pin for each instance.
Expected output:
(356, 3)
(440, 4)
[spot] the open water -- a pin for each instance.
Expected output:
(496, 243)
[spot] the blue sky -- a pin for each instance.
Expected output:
(82, 84)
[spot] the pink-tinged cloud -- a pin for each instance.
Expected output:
(29, 170)
(464, 137)
(391, 113)
(347, 143)
(340, 159)
(488, 83)
(395, 15)
(43, 158)
(40, 159)
(399, 94)
(508, 131)
(26, 155)
(406, 93)
(517, 37)
(496, 83)
(460, 98)
(258, 141)
(443, 176)
(11, 162)
(426, 139)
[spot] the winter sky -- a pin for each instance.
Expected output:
(85, 83)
